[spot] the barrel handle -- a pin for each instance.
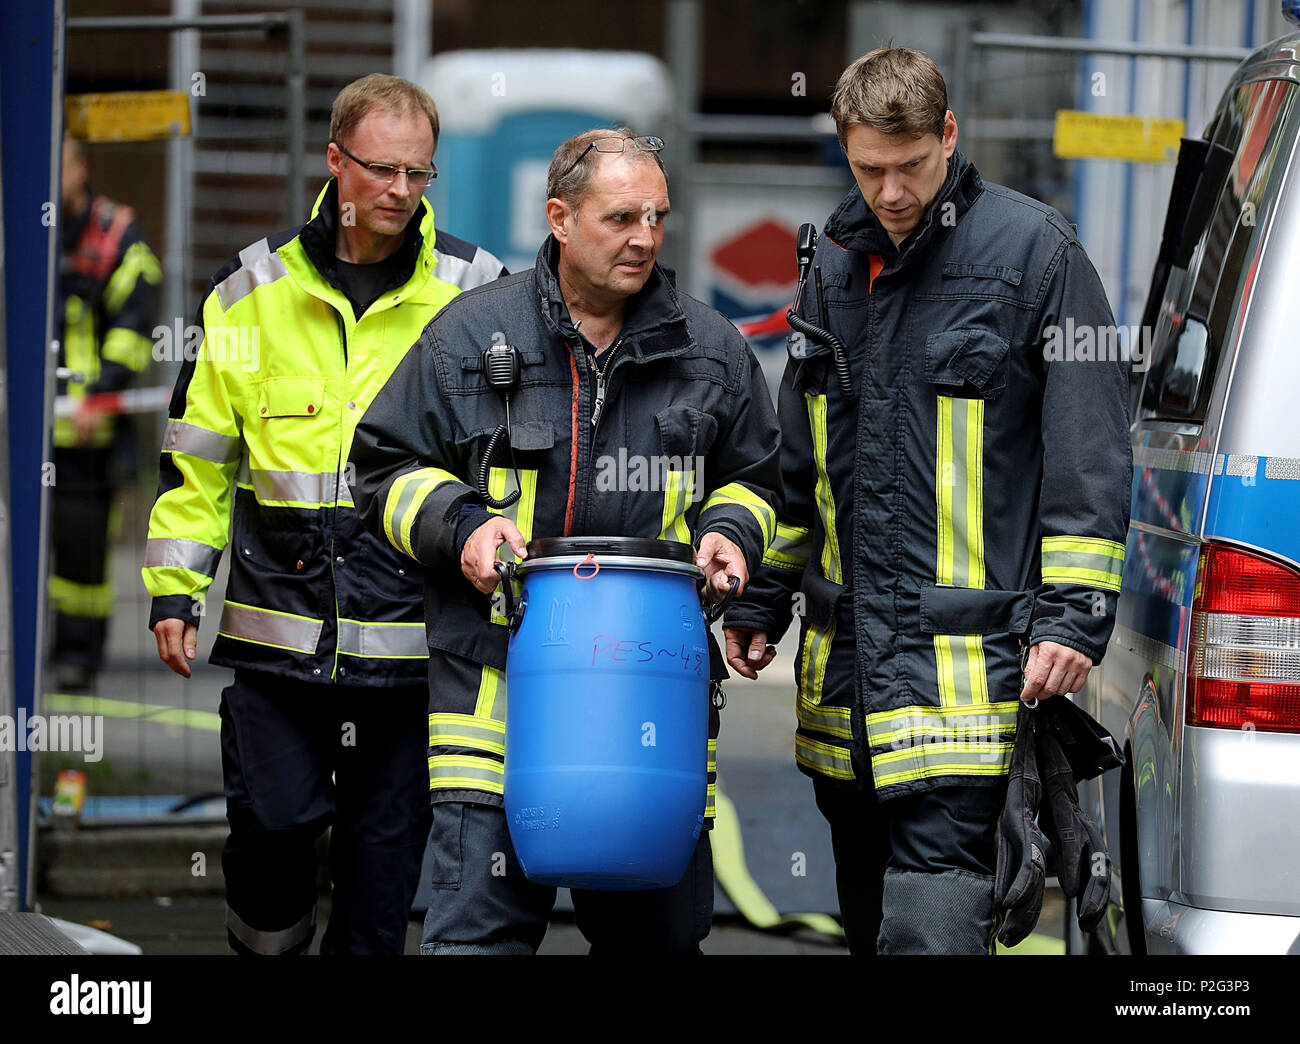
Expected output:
(514, 613)
(712, 612)
(589, 560)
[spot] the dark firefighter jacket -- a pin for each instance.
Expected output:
(974, 497)
(679, 440)
(262, 414)
(108, 284)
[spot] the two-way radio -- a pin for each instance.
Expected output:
(805, 248)
(501, 368)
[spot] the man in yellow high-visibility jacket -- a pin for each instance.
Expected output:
(323, 623)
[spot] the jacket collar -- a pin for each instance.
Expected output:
(654, 324)
(319, 238)
(853, 226)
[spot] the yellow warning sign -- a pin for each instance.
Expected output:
(1095, 135)
(127, 115)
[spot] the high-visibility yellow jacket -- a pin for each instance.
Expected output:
(267, 409)
(108, 286)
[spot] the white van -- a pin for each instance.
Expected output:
(1202, 676)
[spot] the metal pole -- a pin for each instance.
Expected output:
(297, 114)
(412, 36)
(685, 28)
(1076, 45)
(179, 169)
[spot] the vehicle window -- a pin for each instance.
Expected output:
(1259, 126)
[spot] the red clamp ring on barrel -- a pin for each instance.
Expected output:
(590, 559)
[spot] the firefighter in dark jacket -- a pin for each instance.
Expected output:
(323, 725)
(617, 364)
(108, 287)
(967, 495)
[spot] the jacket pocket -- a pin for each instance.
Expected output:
(821, 597)
(291, 397)
(969, 363)
(1001, 273)
(685, 432)
(974, 610)
(458, 628)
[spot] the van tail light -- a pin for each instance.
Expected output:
(1244, 653)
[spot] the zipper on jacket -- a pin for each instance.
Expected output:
(334, 580)
(601, 384)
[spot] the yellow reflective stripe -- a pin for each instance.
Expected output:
(825, 758)
(466, 772)
(74, 599)
(491, 683)
(500, 484)
(901, 726)
(889, 717)
(678, 486)
(402, 504)
(959, 492)
(466, 730)
(127, 347)
(831, 566)
(816, 654)
(138, 262)
(959, 659)
(1107, 580)
(929, 760)
(959, 558)
(1086, 545)
(790, 548)
(1089, 561)
(79, 345)
(743, 496)
(407, 521)
(834, 721)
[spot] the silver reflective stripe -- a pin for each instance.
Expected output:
(382, 640)
(182, 554)
(271, 943)
(180, 437)
(345, 493)
(261, 266)
(268, 627)
(309, 487)
(466, 274)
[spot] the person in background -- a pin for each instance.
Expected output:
(108, 301)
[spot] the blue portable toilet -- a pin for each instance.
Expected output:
(502, 114)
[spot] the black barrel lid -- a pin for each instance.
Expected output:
(618, 546)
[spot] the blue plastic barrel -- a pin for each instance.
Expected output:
(607, 719)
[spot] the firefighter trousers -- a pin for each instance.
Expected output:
(80, 590)
(914, 874)
(298, 758)
(482, 903)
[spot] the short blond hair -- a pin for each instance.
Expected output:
(379, 91)
(893, 90)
